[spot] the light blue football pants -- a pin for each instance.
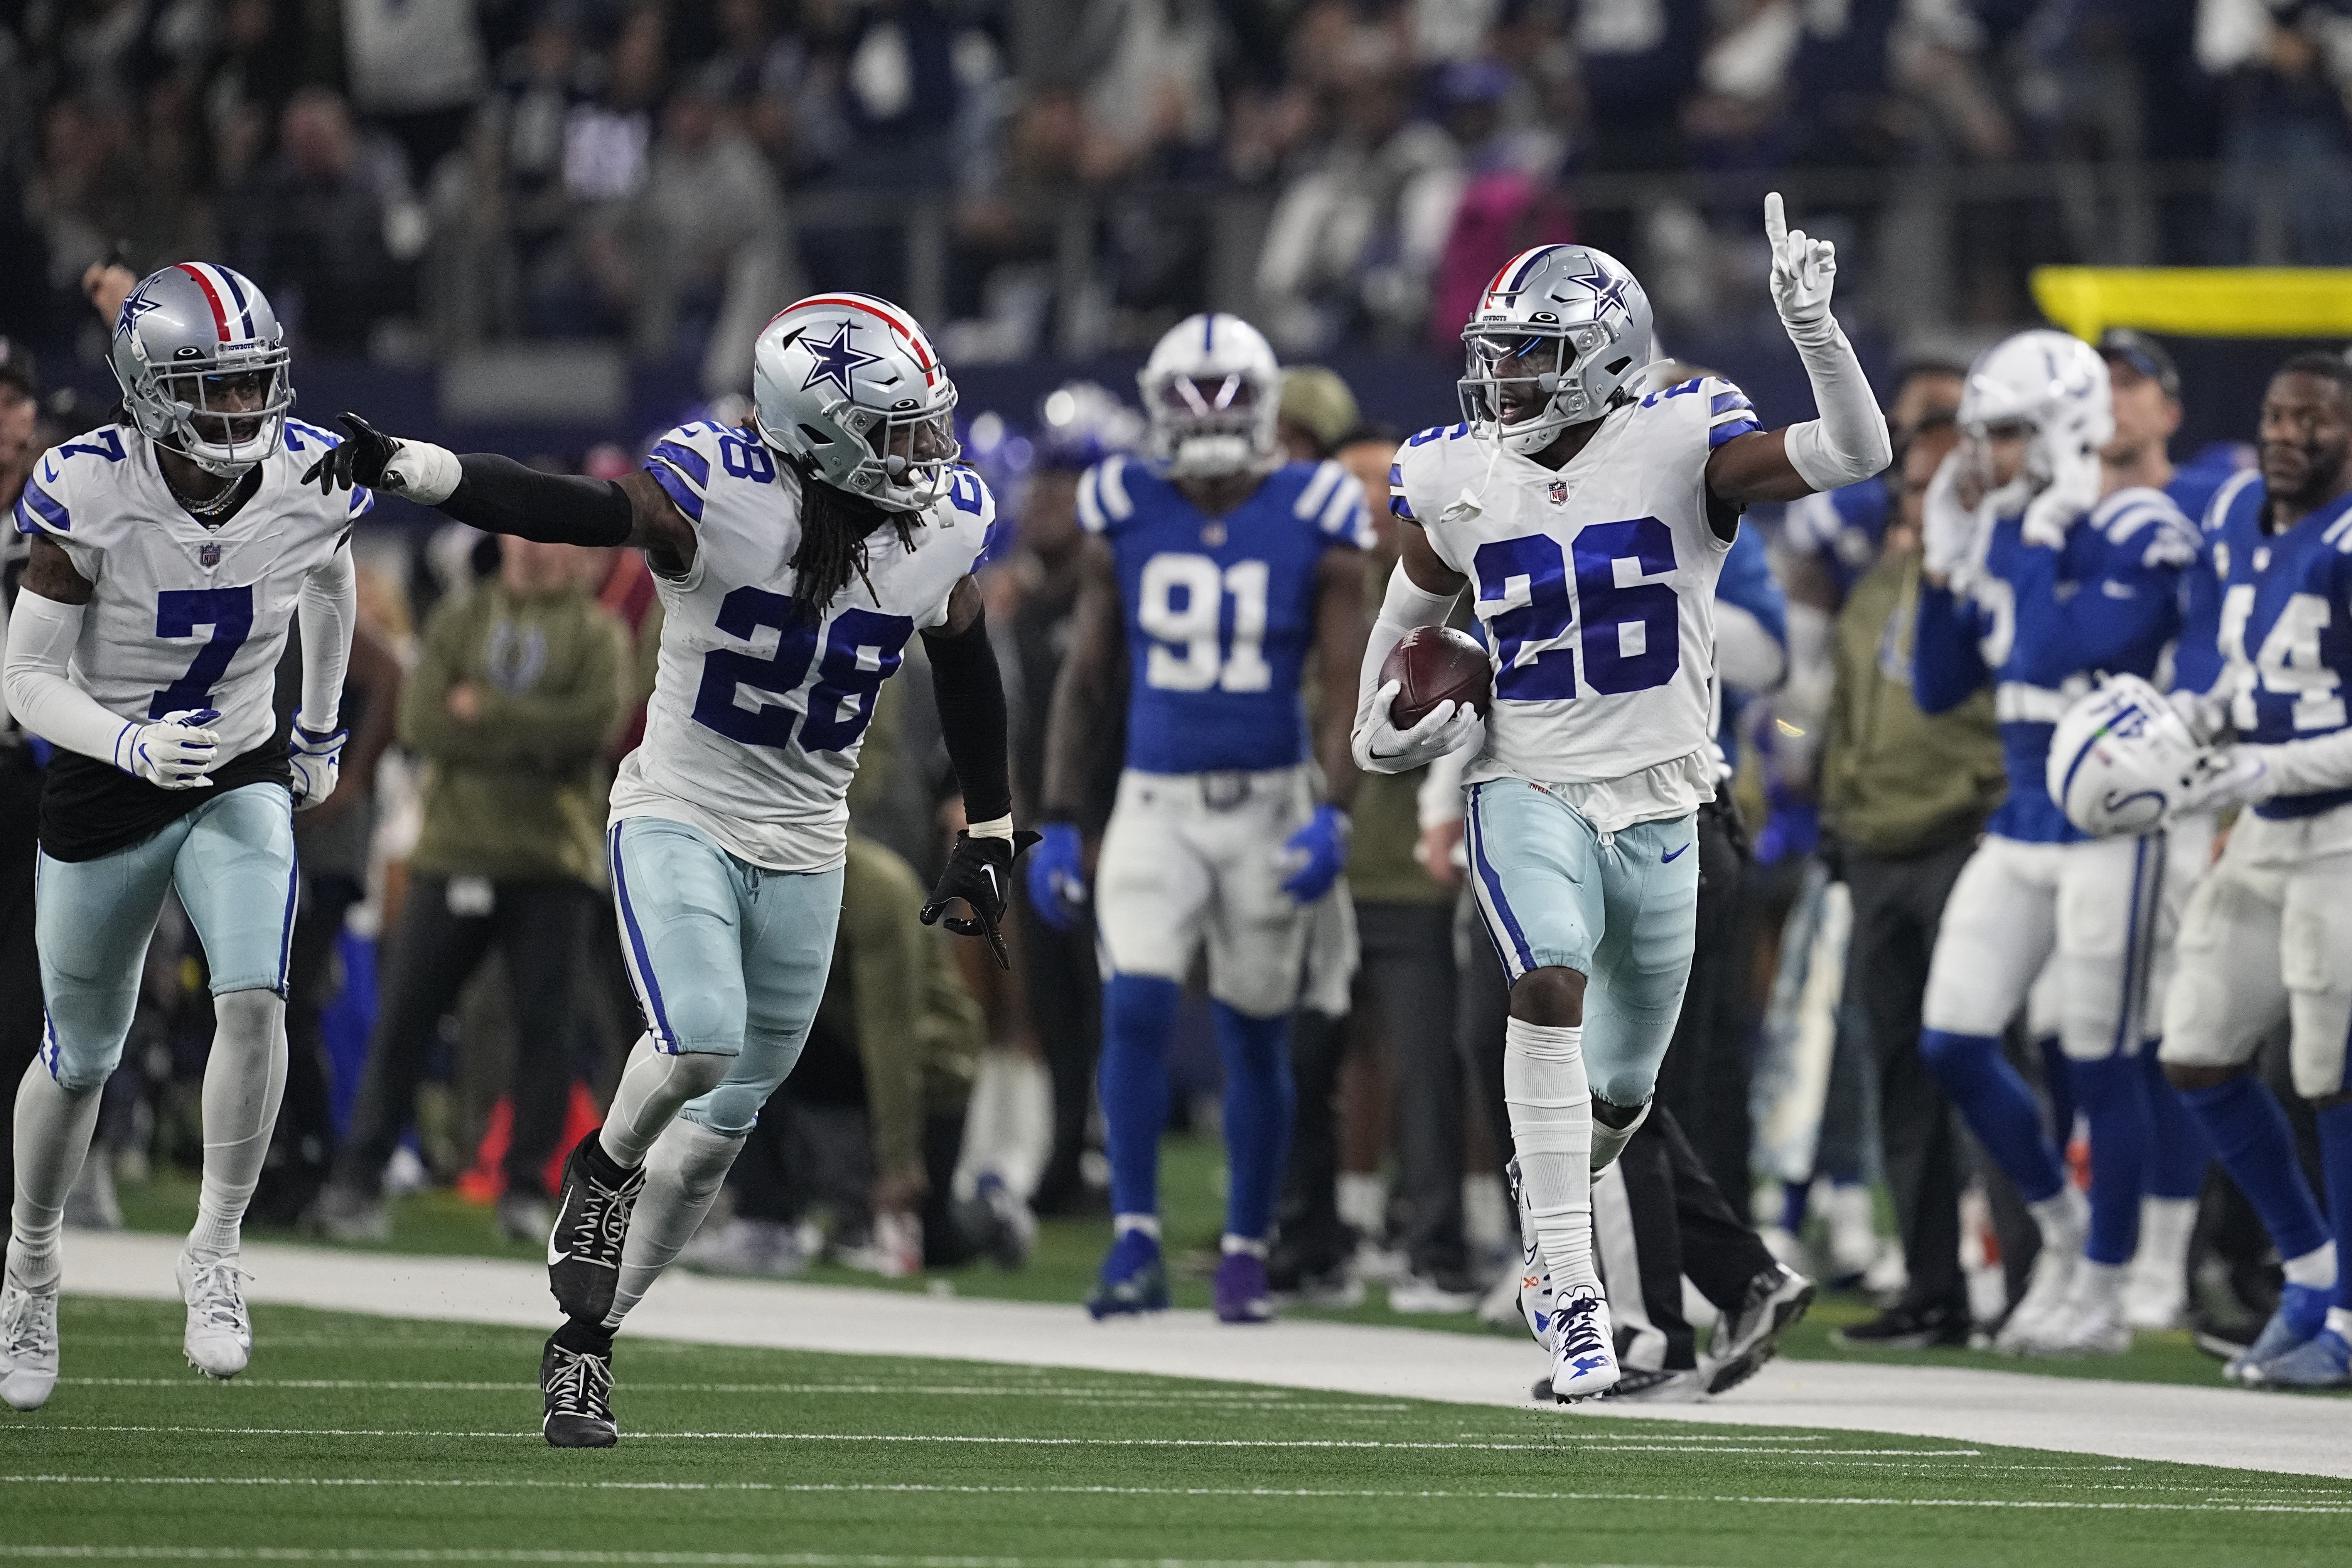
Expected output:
(232, 860)
(1621, 909)
(727, 959)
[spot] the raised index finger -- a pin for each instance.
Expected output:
(1775, 220)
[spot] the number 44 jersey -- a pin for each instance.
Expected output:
(1596, 587)
(760, 707)
(186, 616)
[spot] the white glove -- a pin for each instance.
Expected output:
(1804, 269)
(1379, 747)
(2224, 776)
(175, 752)
(2072, 492)
(1948, 530)
(318, 761)
(2206, 713)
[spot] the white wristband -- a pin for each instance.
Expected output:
(1002, 827)
(424, 473)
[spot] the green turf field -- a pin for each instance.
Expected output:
(1192, 1198)
(364, 1439)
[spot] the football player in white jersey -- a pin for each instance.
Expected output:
(171, 551)
(1589, 512)
(795, 558)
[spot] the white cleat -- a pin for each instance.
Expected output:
(2092, 1321)
(1584, 1357)
(2043, 1308)
(28, 1344)
(2156, 1296)
(219, 1340)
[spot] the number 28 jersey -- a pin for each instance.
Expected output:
(1220, 612)
(760, 708)
(1596, 587)
(186, 616)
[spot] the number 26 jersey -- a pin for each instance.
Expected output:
(760, 707)
(1596, 587)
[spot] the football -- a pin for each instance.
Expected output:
(1435, 665)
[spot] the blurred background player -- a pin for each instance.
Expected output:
(2043, 568)
(171, 553)
(2268, 936)
(1215, 569)
(1597, 755)
(839, 523)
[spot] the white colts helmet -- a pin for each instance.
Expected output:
(1211, 392)
(2053, 381)
(1570, 326)
(2120, 759)
(849, 384)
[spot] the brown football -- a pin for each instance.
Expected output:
(1435, 665)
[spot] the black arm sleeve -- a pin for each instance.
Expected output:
(501, 496)
(973, 719)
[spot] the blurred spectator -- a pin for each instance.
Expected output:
(2286, 192)
(1149, 67)
(902, 93)
(329, 225)
(416, 71)
(1317, 412)
(512, 707)
(20, 758)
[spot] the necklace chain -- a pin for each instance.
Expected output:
(202, 510)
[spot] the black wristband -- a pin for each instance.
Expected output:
(973, 719)
(499, 495)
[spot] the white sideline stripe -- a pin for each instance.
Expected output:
(677, 1559)
(1967, 1404)
(1238, 1400)
(1563, 1446)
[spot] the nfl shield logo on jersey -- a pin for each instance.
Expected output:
(208, 555)
(1558, 491)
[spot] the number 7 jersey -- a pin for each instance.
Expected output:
(759, 707)
(1596, 586)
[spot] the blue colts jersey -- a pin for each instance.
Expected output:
(2286, 629)
(2041, 622)
(2197, 660)
(1220, 613)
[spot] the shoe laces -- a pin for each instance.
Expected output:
(1580, 1328)
(28, 1322)
(604, 1221)
(218, 1304)
(580, 1384)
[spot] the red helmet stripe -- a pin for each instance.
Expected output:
(907, 329)
(212, 298)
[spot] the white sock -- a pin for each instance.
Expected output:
(2062, 1212)
(2316, 1268)
(2165, 1224)
(1550, 1105)
(2339, 1321)
(1008, 1124)
(684, 1171)
(2099, 1284)
(245, 1078)
(654, 1088)
(1253, 1245)
(52, 1127)
(1148, 1223)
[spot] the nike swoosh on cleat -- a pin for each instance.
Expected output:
(1668, 857)
(553, 1257)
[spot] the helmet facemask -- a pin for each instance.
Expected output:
(905, 455)
(225, 416)
(1517, 387)
(1212, 428)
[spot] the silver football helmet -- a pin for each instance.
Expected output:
(849, 384)
(202, 363)
(1558, 332)
(1212, 394)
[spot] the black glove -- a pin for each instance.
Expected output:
(356, 461)
(980, 872)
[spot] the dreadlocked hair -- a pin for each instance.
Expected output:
(834, 527)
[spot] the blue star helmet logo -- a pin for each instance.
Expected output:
(1605, 289)
(835, 360)
(134, 306)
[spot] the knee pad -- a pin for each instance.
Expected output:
(78, 1068)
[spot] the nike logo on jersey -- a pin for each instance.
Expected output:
(1668, 857)
(46, 472)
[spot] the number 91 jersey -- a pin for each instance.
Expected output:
(186, 616)
(1595, 583)
(1220, 612)
(760, 708)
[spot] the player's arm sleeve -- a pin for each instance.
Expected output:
(327, 611)
(2302, 767)
(1946, 667)
(499, 495)
(974, 721)
(41, 638)
(1849, 441)
(887, 970)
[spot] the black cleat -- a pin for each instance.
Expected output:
(591, 1220)
(1776, 1298)
(1910, 1329)
(576, 1380)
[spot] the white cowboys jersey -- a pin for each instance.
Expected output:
(1595, 586)
(186, 616)
(759, 709)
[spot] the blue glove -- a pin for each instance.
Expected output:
(1058, 876)
(1318, 853)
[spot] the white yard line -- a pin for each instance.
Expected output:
(2232, 1428)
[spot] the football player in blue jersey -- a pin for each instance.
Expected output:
(1215, 569)
(2038, 585)
(2268, 937)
